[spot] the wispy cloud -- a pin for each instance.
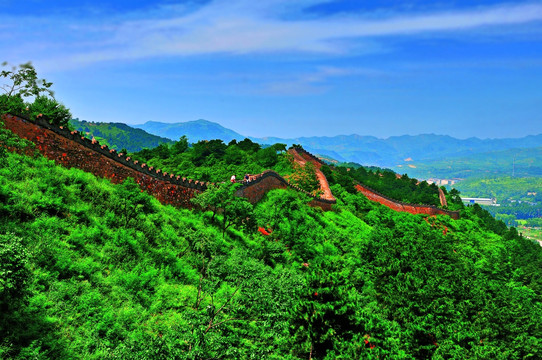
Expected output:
(255, 27)
(317, 81)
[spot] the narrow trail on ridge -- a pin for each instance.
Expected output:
(324, 185)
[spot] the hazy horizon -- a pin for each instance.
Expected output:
(290, 69)
(325, 136)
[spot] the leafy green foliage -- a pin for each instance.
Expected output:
(221, 199)
(13, 271)
(102, 271)
(386, 182)
(215, 161)
(519, 198)
(305, 177)
(51, 110)
(23, 83)
(12, 104)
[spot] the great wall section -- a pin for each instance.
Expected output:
(386, 201)
(72, 149)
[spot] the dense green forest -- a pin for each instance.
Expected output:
(504, 188)
(94, 270)
(119, 136)
(388, 183)
(213, 160)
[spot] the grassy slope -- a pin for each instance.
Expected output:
(528, 163)
(105, 281)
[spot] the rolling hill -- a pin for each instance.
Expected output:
(194, 130)
(119, 136)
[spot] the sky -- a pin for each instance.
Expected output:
(290, 68)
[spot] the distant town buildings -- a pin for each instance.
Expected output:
(441, 182)
(480, 201)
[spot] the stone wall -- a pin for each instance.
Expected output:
(404, 207)
(270, 180)
(72, 149)
(310, 157)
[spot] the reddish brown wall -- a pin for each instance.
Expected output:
(270, 180)
(403, 207)
(71, 149)
(256, 189)
(310, 157)
(392, 204)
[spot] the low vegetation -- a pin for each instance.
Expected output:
(94, 270)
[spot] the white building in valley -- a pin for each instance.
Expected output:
(480, 201)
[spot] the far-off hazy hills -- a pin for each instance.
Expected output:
(516, 162)
(420, 155)
(194, 130)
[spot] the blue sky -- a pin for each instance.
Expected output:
(290, 68)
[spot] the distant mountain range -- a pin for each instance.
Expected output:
(366, 150)
(396, 150)
(516, 162)
(420, 156)
(194, 130)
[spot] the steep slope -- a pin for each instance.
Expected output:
(103, 271)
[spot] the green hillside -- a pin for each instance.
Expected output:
(119, 136)
(517, 162)
(504, 188)
(91, 270)
(519, 198)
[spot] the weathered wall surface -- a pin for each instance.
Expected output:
(403, 207)
(73, 150)
(256, 189)
(270, 180)
(302, 157)
(310, 157)
(386, 201)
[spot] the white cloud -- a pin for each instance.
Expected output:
(318, 81)
(248, 27)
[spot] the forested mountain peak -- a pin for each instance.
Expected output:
(118, 135)
(195, 130)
